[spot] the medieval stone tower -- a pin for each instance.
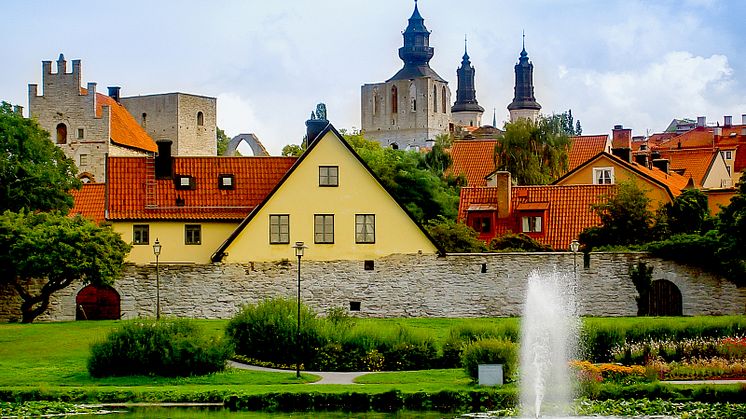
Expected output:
(412, 107)
(466, 110)
(524, 103)
(85, 124)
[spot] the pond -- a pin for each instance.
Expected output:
(219, 412)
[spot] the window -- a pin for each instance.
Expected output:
(140, 234)
(81, 133)
(83, 160)
(61, 134)
(144, 121)
(412, 97)
(482, 224)
(531, 224)
(323, 227)
(328, 176)
(185, 182)
(727, 155)
(365, 228)
(435, 98)
(279, 229)
(200, 119)
(192, 234)
(443, 98)
(375, 102)
(603, 175)
(226, 182)
(394, 100)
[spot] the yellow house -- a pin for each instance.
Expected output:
(331, 201)
(607, 169)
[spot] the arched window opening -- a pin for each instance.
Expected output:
(435, 98)
(394, 100)
(144, 120)
(412, 97)
(200, 119)
(375, 102)
(61, 133)
(443, 99)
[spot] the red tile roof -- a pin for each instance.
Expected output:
(473, 159)
(124, 130)
(583, 147)
(90, 201)
(254, 178)
(695, 163)
(567, 213)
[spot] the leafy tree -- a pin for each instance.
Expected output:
(34, 173)
(293, 150)
(455, 237)
(687, 214)
(517, 243)
(731, 226)
(535, 153)
(642, 278)
(223, 140)
(55, 250)
(578, 128)
(437, 159)
(625, 218)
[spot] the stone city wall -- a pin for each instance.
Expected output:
(458, 285)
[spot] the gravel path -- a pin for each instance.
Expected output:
(326, 377)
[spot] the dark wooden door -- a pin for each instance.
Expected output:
(665, 299)
(96, 302)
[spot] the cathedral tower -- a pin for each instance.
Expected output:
(524, 103)
(411, 108)
(466, 111)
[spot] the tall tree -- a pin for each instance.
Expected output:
(55, 250)
(34, 173)
(222, 139)
(535, 153)
(625, 218)
(731, 225)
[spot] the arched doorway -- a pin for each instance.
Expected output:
(665, 299)
(97, 302)
(61, 133)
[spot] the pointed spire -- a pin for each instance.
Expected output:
(416, 22)
(466, 54)
(416, 52)
(466, 95)
(524, 54)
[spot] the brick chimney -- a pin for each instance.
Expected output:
(661, 164)
(504, 193)
(163, 161)
(621, 143)
(114, 93)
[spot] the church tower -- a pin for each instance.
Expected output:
(466, 111)
(411, 108)
(524, 103)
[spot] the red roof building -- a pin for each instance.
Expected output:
(474, 159)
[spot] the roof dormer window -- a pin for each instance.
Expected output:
(226, 182)
(185, 182)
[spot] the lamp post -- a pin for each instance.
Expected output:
(574, 247)
(299, 247)
(157, 253)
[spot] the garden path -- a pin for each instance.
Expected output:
(326, 377)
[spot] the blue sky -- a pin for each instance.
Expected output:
(636, 63)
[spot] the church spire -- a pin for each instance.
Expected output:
(524, 103)
(416, 52)
(466, 94)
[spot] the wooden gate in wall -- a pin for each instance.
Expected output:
(665, 299)
(97, 302)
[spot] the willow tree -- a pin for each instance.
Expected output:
(535, 153)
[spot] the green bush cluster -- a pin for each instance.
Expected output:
(461, 336)
(491, 351)
(267, 332)
(169, 347)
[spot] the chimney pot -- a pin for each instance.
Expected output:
(743, 119)
(701, 121)
(114, 92)
(618, 126)
(163, 161)
(717, 131)
(727, 120)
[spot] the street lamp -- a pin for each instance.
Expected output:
(299, 247)
(157, 253)
(574, 247)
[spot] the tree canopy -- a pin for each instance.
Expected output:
(535, 153)
(34, 173)
(55, 250)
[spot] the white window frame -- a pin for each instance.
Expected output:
(279, 229)
(598, 172)
(531, 224)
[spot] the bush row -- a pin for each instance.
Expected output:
(169, 347)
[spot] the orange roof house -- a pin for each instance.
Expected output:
(583, 147)
(706, 167)
(607, 169)
(474, 159)
(90, 201)
(553, 215)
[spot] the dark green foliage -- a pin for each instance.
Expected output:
(455, 237)
(267, 331)
(293, 150)
(223, 139)
(35, 175)
(535, 153)
(57, 249)
(625, 219)
(688, 213)
(169, 347)
(491, 351)
(460, 337)
(642, 278)
(517, 243)
(731, 224)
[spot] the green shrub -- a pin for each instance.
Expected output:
(169, 347)
(268, 331)
(517, 243)
(491, 351)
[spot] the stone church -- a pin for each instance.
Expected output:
(414, 106)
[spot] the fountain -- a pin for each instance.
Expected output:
(549, 335)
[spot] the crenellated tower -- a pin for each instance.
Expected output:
(466, 110)
(524, 103)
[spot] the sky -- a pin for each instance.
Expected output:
(635, 63)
